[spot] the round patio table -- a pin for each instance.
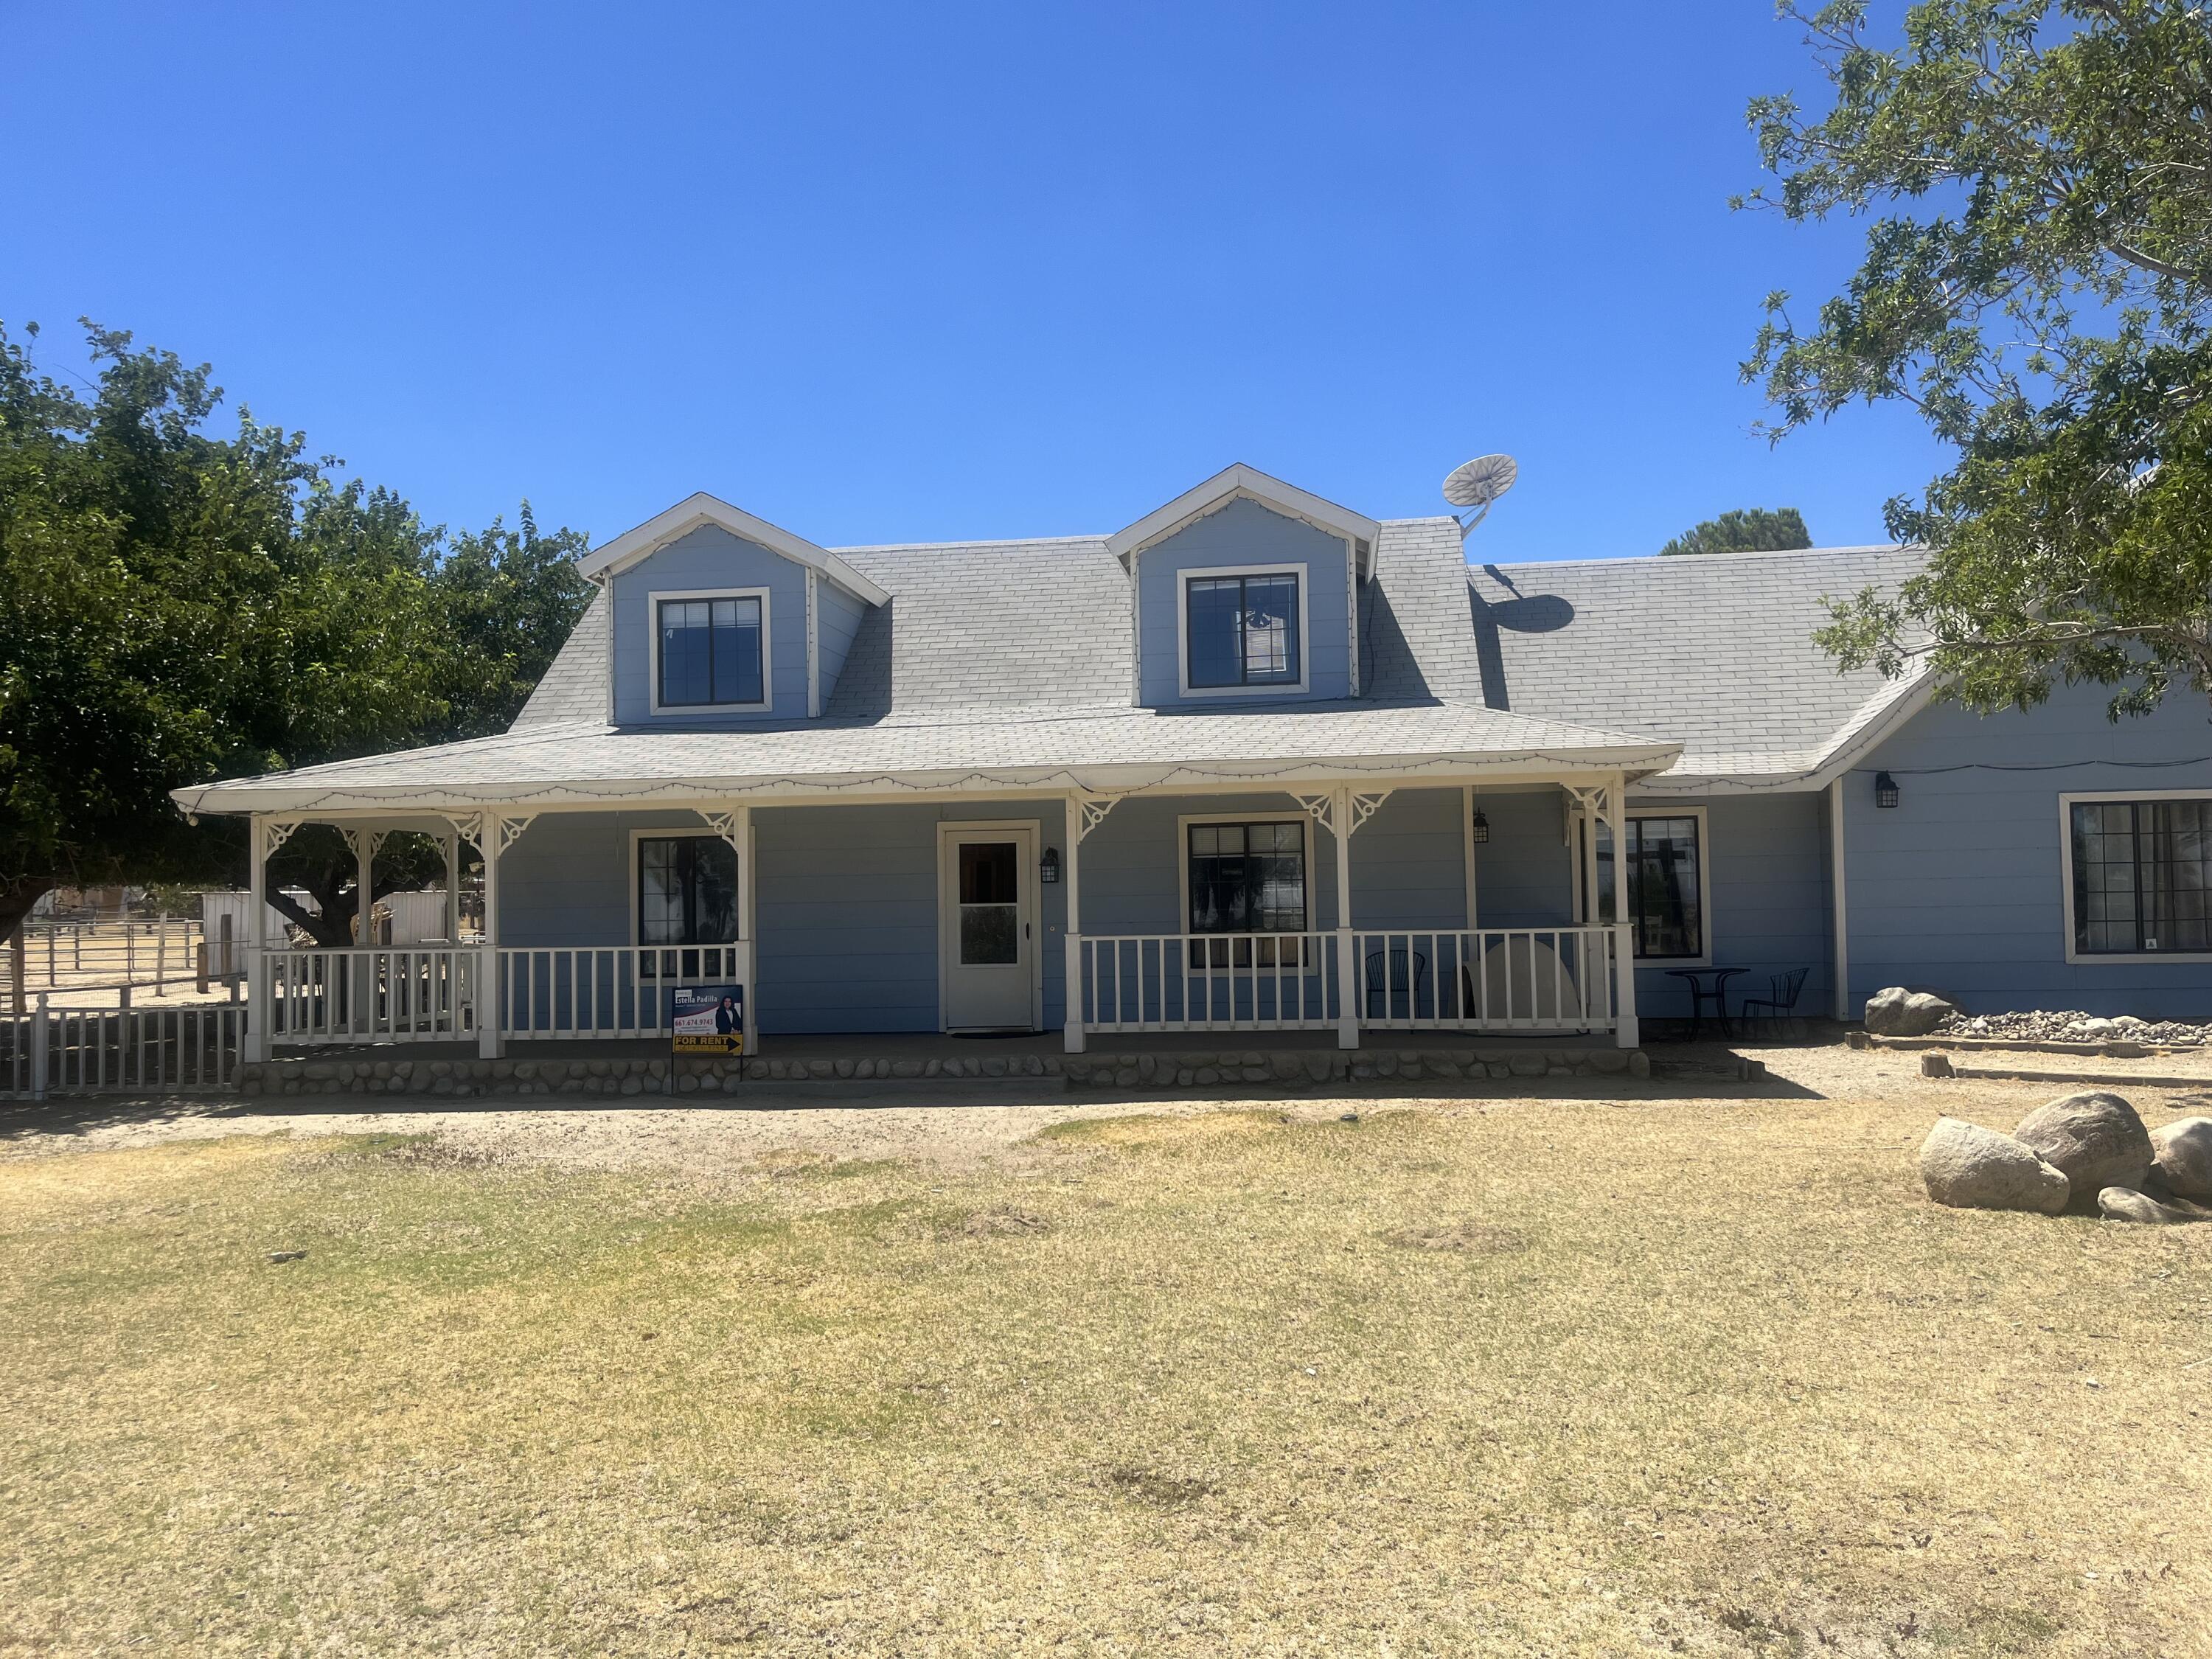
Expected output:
(1708, 985)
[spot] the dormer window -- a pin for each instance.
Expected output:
(1243, 630)
(710, 650)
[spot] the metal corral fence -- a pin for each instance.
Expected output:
(152, 951)
(48, 1050)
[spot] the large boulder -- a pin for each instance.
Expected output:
(1897, 1012)
(2183, 1153)
(1971, 1168)
(2095, 1138)
(2121, 1204)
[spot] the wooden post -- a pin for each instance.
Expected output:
(489, 1010)
(40, 1037)
(1626, 1033)
(161, 957)
(200, 966)
(19, 966)
(1347, 966)
(255, 1049)
(454, 887)
(1072, 1035)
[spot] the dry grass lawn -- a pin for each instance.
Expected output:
(1541, 1377)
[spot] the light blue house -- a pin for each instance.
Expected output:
(1255, 762)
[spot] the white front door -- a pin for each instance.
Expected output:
(988, 926)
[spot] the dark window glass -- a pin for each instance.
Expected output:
(990, 903)
(710, 652)
(1243, 630)
(2142, 869)
(1666, 899)
(686, 890)
(1246, 879)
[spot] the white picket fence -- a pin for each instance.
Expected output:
(1208, 982)
(605, 991)
(46, 1050)
(1494, 979)
(377, 995)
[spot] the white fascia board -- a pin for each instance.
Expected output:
(1275, 775)
(687, 515)
(1226, 486)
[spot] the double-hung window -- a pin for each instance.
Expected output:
(1242, 630)
(1246, 879)
(2142, 872)
(1666, 885)
(709, 651)
(687, 897)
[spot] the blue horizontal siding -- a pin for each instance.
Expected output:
(1958, 889)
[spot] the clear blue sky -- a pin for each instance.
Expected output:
(931, 272)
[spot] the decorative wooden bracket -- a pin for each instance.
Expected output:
(275, 833)
(724, 824)
(1322, 809)
(1094, 809)
(1363, 807)
(511, 829)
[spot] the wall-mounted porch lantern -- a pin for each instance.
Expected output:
(1479, 829)
(1885, 789)
(1048, 866)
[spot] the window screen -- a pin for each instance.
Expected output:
(1666, 885)
(710, 652)
(2141, 871)
(1243, 630)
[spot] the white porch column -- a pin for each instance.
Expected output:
(1626, 1033)
(748, 945)
(361, 988)
(1071, 873)
(1347, 969)
(453, 887)
(491, 1014)
(255, 1048)
(1843, 966)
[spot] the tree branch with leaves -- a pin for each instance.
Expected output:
(2037, 281)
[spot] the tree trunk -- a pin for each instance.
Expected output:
(17, 898)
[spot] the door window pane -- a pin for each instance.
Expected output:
(990, 904)
(710, 652)
(1242, 630)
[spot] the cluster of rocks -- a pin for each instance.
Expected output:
(1195, 1069)
(2087, 1151)
(2071, 1027)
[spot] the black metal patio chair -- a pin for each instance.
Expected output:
(1782, 992)
(1403, 988)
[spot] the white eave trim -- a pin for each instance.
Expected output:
(1250, 482)
(1274, 775)
(690, 514)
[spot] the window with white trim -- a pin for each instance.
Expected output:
(687, 896)
(1246, 879)
(1666, 884)
(1242, 630)
(2141, 872)
(710, 651)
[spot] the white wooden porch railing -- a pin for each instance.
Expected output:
(48, 1050)
(1492, 979)
(1209, 981)
(590, 991)
(399, 994)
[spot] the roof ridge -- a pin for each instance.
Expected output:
(1690, 561)
(929, 547)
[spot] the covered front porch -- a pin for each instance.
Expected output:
(1314, 909)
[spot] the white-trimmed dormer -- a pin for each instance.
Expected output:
(1246, 589)
(719, 617)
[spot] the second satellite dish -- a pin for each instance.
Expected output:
(1477, 484)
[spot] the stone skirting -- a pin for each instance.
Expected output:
(1204, 1068)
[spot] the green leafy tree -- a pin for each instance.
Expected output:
(1745, 530)
(183, 605)
(2038, 180)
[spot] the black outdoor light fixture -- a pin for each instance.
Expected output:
(1885, 789)
(1479, 829)
(1048, 866)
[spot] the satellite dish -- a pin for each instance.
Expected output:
(1477, 484)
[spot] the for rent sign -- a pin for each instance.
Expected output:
(708, 1020)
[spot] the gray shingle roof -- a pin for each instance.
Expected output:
(1011, 663)
(1713, 651)
(1106, 748)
